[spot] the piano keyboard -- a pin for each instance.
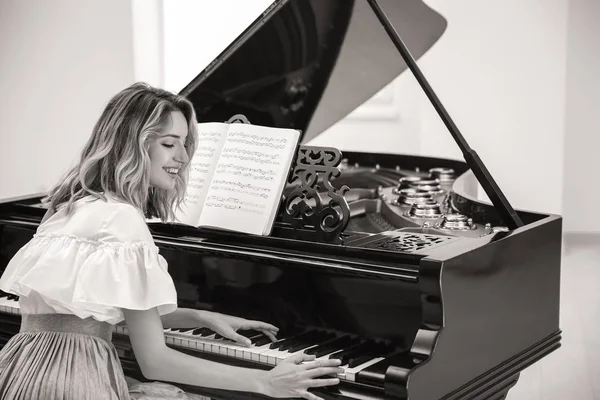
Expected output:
(9, 303)
(356, 355)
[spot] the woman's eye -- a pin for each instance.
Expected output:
(168, 145)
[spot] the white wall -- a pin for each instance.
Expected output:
(582, 137)
(61, 62)
(196, 31)
(500, 70)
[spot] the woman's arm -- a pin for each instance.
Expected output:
(159, 362)
(225, 325)
(182, 318)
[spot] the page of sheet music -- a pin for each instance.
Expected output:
(211, 138)
(249, 177)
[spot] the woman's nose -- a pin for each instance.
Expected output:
(182, 156)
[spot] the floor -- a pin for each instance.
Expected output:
(573, 371)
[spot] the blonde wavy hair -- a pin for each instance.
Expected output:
(115, 159)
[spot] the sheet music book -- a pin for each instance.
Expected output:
(237, 176)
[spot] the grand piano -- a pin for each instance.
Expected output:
(425, 293)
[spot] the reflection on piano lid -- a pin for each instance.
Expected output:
(459, 294)
(305, 64)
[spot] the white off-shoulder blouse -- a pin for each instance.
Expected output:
(94, 262)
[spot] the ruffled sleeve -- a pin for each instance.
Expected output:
(94, 270)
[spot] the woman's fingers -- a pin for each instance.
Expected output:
(323, 382)
(326, 362)
(259, 326)
(299, 358)
(267, 329)
(323, 371)
(240, 339)
(270, 335)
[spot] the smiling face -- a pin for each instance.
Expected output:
(168, 154)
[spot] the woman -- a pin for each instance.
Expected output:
(92, 264)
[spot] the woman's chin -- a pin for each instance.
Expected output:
(166, 185)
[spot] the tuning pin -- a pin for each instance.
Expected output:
(428, 185)
(444, 175)
(456, 222)
(405, 183)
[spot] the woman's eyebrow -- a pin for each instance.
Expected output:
(171, 135)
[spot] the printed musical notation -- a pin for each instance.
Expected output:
(235, 176)
(247, 172)
(234, 203)
(197, 183)
(241, 188)
(241, 154)
(277, 143)
(211, 136)
(192, 199)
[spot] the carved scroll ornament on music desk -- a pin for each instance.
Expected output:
(304, 207)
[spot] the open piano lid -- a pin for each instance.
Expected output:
(306, 64)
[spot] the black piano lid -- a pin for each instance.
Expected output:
(306, 64)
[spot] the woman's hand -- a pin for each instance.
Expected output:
(295, 375)
(227, 326)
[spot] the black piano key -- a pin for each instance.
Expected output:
(314, 339)
(291, 339)
(381, 350)
(354, 362)
(300, 346)
(332, 346)
(351, 352)
(261, 341)
(206, 332)
(341, 344)
(258, 338)
(182, 329)
(306, 337)
(249, 333)
(321, 345)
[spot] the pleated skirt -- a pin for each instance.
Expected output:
(61, 357)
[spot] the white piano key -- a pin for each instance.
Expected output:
(254, 352)
(9, 306)
(349, 374)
